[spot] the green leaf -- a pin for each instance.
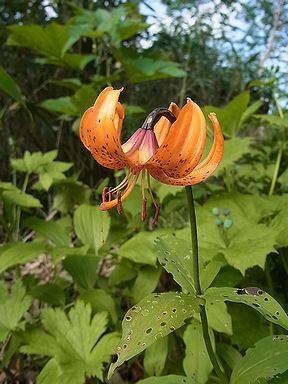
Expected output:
(254, 297)
(70, 192)
(74, 343)
(274, 120)
(235, 148)
(9, 86)
(63, 105)
(57, 231)
(15, 253)
(218, 316)
(13, 305)
(169, 379)
(140, 248)
(267, 359)
(83, 269)
(229, 354)
(152, 319)
(52, 41)
(176, 257)
(49, 293)
(249, 112)
(196, 362)
(210, 271)
(155, 357)
(21, 199)
(230, 117)
(91, 226)
(145, 283)
(100, 301)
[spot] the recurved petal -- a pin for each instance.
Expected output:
(183, 146)
(98, 129)
(203, 169)
(162, 128)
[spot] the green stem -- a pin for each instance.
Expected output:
(18, 209)
(196, 279)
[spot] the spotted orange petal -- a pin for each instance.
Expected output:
(203, 169)
(183, 146)
(100, 127)
(163, 126)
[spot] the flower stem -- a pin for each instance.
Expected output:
(196, 279)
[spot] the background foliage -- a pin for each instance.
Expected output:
(69, 272)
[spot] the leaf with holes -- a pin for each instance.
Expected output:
(153, 318)
(255, 298)
(169, 379)
(267, 359)
(175, 256)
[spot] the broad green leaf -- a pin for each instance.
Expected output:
(70, 192)
(45, 180)
(100, 301)
(249, 112)
(50, 373)
(210, 271)
(49, 293)
(9, 86)
(218, 316)
(234, 149)
(196, 362)
(244, 318)
(169, 379)
(63, 105)
(56, 231)
(59, 253)
(91, 226)
(152, 319)
(155, 357)
(229, 354)
(21, 199)
(140, 248)
(267, 359)
(230, 116)
(254, 297)
(74, 342)
(146, 282)
(83, 269)
(15, 253)
(13, 305)
(175, 256)
(52, 41)
(241, 247)
(75, 61)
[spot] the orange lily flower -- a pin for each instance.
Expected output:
(168, 146)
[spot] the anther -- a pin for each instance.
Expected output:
(144, 212)
(104, 194)
(119, 203)
(157, 211)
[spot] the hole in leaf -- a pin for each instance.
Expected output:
(114, 358)
(163, 323)
(148, 330)
(128, 318)
(241, 292)
(266, 299)
(174, 310)
(124, 346)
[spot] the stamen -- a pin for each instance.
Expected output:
(109, 194)
(155, 116)
(144, 209)
(119, 203)
(157, 211)
(157, 205)
(104, 193)
(144, 200)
